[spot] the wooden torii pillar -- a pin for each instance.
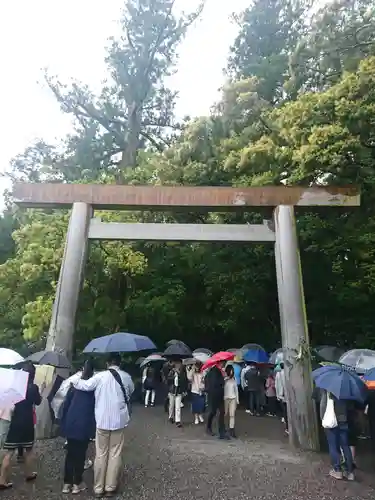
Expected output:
(85, 198)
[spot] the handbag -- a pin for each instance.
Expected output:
(329, 419)
(117, 377)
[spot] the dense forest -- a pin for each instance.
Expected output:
(297, 107)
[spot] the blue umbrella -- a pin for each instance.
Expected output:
(343, 384)
(369, 376)
(120, 342)
(255, 356)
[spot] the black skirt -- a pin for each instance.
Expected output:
(21, 434)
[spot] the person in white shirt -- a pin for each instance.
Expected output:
(195, 377)
(113, 389)
(231, 398)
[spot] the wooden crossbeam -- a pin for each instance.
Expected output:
(180, 197)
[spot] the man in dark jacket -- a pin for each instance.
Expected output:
(214, 383)
(254, 384)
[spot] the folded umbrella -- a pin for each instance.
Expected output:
(218, 358)
(8, 357)
(178, 351)
(255, 356)
(50, 358)
(343, 384)
(13, 387)
(120, 342)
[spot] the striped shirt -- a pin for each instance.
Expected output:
(111, 412)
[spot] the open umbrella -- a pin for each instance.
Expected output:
(8, 357)
(218, 358)
(50, 358)
(201, 356)
(359, 359)
(153, 358)
(255, 356)
(247, 347)
(277, 357)
(13, 387)
(204, 351)
(343, 384)
(120, 342)
(178, 351)
(329, 352)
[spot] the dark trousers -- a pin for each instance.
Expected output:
(214, 407)
(338, 440)
(20, 452)
(272, 405)
(254, 401)
(284, 409)
(75, 461)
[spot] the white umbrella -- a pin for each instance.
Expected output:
(201, 356)
(13, 386)
(8, 357)
(152, 359)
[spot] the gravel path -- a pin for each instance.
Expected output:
(167, 463)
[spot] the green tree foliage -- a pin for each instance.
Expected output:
(285, 117)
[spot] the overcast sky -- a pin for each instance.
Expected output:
(70, 38)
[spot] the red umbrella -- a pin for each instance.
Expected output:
(217, 358)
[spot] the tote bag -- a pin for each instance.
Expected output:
(329, 419)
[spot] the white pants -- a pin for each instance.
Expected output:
(175, 407)
(147, 397)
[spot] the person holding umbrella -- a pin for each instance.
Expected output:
(21, 430)
(177, 386)
(195, 377)
(337, 391)
(214, 382)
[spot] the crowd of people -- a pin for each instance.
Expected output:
(219, 390)
(97, 407)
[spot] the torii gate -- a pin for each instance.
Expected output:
(281, 231)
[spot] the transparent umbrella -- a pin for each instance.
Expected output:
(359, 359)
(248, 347)
(277, 356)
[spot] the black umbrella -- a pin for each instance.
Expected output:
(329, 352)
(178, 351)
(50, 358)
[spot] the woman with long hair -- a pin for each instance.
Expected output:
(22, 431)
(78, 427)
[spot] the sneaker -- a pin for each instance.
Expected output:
(349, 476)
(179, 425)
(78, 488)
(336, 474)
(66, 489)
(171, 420)
(152, 404)
(232, 433)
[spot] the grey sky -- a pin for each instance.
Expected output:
(70, 37)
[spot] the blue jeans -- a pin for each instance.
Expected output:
(338, 440)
